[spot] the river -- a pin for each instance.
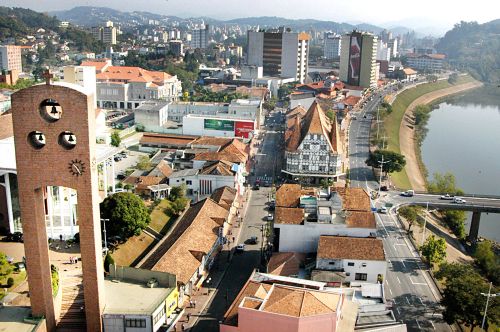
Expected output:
(464, 138)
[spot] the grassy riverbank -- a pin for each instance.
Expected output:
(392, 121)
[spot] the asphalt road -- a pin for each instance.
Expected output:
(268, 165)
(413, 295)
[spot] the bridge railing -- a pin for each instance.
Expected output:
(461, 195)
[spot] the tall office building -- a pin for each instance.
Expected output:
(199, 38)
(106, 34)
(332, 45)
(358, 59)
(10, 58)
(393, 45)
(281, 54)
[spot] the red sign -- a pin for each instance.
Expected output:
(242, 129)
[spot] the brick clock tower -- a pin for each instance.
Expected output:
(54, 132)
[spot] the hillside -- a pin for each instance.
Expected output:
(474, 47)
(17, 22)
(89, 16)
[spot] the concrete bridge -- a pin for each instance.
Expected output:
(475, 204)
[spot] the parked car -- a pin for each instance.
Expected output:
(256, 187)
(384, 188)
(447, 197)
(121, 176)
(383, 209)
(117, 158)
(459, 200)
(14, 237)
(253, 240)
(240, 247)
(270, 217)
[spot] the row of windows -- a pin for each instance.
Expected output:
(135, 322)
(159, 315)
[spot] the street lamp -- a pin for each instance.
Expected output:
(487, 302)
(104, 230)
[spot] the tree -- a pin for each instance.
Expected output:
(444, 183)
(455, 220)
(177, 206)
(421, 114)
(393, 162)
(115, 139)
(434, 249)
(462, 297)
(144, 163)
(128, 187)
(488, 261)
(178, 192)
(453, 78)
(410, 213)
(108, 260)
(127, 215)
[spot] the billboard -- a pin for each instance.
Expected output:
(223, 125)
(354, 59)
(243, 129)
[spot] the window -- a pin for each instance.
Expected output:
(306, 146)
(189, 182)
(350, 264)
(159, 315)
(363, 265)
(331, 263)
(135, 322)
(360, 276)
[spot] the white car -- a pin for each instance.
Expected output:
(459, 200)
(447, 197)
(270, 217)
(383, 209)
(240, 247)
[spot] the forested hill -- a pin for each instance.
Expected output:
(475, 47)
(18, 22)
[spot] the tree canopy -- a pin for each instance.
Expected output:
(127, 215)
(410, 213)
(434, 249)
(393, 161)
(444, 183)
(462, 297)
(115, 139)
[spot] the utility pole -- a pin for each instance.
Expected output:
(381, 172)
(487, 302)
(105, 240)
(425, 224)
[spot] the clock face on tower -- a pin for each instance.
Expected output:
(76, 167)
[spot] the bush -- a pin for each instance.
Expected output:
(76, 238)
(10, 282)
(455, 221)
(108, 260)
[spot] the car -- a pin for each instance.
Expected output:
(253, 240)
(270, 217)
(447, 197)
(121, 176)
(240, 247)
(14, 237)
(117, 158)
(459, 200)
(383, 209)
(408, 193)
(384, 188)
(256, 187)
(354, 117)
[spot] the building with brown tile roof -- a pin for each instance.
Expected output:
(312, 146)
(128, 87)
(358, 259)
(285, 263)
(6, 128)
(360, 219)
(192, 245)
(291, 216)
(354, 198)
(166, 141)
(288, 195)
(344, 247)
(218, 167)
(287, 308)
(224, 196)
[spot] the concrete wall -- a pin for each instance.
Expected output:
(372, 268)
(289, 55)
(125, 272)
(304, 238)
(255, 48)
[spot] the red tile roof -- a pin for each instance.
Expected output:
(345, 247)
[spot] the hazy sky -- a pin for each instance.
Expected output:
(417, 13)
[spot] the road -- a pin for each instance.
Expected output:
(239, 270)
(414, 296)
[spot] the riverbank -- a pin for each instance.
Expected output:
(408, 144)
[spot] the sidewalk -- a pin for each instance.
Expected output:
(205, 294)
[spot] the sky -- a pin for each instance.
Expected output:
(421, 13)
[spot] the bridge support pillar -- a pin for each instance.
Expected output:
(474, 226)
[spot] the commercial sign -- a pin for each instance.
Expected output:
(223, 125)
(354, 59)
(243, 129)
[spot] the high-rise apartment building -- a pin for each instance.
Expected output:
(332, 45)
(281, 54)
(10, 58)
(358, 59)
(393, 45)
(106, 34)
(199, 38)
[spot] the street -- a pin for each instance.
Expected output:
(267, 165)
(414, 297)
